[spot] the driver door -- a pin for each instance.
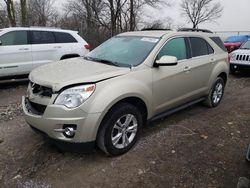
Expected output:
(172, 85)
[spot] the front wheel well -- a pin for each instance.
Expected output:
(69, 56)
(138, 103)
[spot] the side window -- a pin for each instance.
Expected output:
(210, 49)
(14, 38)
(200, 47)
(175, 47)
(64, 37)
(219, 42)
(42, 37)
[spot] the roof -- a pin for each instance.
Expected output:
(36, 28)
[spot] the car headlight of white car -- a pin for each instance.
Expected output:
(232, 56)
(75, 96)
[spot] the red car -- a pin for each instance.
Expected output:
(234, 42)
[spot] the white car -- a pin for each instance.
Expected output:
(23, 49)
(240, 59)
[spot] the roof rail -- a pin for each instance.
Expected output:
(155, 29)
(195, 30)
(44, 27)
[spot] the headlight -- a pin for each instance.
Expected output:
(233, 56)
(75, 96)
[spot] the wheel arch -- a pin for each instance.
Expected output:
(133, 100)
(224, 76)
(67, 56)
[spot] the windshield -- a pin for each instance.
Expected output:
(237, 38)
(123, 51)
(246, 45)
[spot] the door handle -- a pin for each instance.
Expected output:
(23, 49)
(186, 69)
(57, 47)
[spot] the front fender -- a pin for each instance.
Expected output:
(109, 92)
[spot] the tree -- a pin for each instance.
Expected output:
(4, 21)
(201, 11)
(40, 12)
(11, 12)
(23, 5)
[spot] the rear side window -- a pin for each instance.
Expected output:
(219, 43)
(175, 47)
(64, 37)
(42, 37)
(14, 38)
(200, 47)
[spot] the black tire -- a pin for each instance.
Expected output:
(210, 100)
(106, 131)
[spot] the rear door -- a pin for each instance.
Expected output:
(44, 47)
(15, 53)
(201, 64)
(68, 44)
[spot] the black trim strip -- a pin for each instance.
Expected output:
(8, 67)
(171, 111)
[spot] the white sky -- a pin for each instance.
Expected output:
(235, 16)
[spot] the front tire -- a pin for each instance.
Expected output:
(120, 129)
(217, 91)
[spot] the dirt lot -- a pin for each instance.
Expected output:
(197, 147)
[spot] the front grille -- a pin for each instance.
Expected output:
(243, 57)
(34, 108)
(41, 90)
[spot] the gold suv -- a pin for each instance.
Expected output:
(106, 97)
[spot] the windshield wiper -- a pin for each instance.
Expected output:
(105, 61)
(245, 48)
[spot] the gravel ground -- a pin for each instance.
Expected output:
(197, 147)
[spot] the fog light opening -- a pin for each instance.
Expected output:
(69, 131)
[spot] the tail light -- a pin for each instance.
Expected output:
(87, 46)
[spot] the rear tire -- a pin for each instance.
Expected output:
(120, 129)
(216, 93)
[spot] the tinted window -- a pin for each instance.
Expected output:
(210, 49)
(14, 38)
(200, 47)
(43, 37)
(219, 42)
(175, 47)
(64, 37)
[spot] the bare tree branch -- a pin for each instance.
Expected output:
(201, 11)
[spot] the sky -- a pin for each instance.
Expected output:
(235, 16)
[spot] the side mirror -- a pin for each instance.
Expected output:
(1, 43)
(166, 61)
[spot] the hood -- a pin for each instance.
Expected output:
(242, 52)
(74, 71)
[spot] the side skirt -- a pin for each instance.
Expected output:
(173, 110)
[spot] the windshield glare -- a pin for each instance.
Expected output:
(124, 50)
(246, 45)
